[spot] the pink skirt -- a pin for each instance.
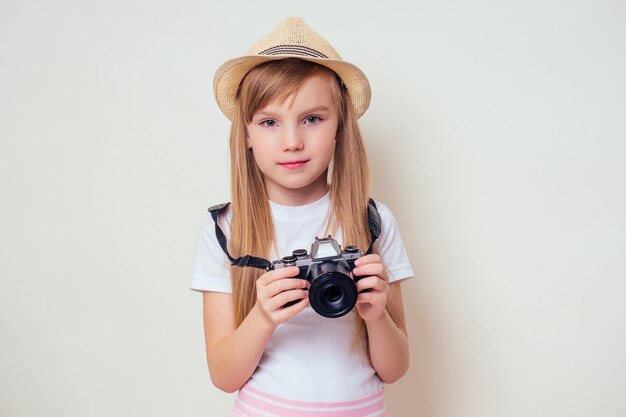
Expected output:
(254, 403)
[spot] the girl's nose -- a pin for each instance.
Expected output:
(291, 140)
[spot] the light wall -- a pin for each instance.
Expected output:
(496, 135)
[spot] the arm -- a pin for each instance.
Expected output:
(233, 353)
(382, 309)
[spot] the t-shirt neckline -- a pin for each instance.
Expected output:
(304, 213)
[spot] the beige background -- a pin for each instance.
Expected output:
(496, 135)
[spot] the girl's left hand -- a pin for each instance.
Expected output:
(373, 288)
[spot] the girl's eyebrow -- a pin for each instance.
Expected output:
(316, 109)
(263, 114)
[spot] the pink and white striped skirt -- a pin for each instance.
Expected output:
(254, 403)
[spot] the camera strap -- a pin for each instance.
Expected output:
(373, 218)
(242, 261)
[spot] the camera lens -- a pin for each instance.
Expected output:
(332, 293)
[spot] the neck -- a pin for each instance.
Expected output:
(299, 197)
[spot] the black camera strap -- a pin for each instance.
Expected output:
(242, 261)
(373, 218)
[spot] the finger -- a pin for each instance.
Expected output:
(286, 313)
(276, 302)
(369, 298)
(276, 274)
(289, 298)
(377, 269)
(285, 284)
(371, 283)
(286, 297)
(368, 259)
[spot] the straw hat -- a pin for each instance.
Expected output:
(291, 39)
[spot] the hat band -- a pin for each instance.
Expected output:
(293, 50)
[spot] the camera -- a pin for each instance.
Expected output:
(332, 292)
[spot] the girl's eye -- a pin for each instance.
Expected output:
(312, 119)
(268, 123)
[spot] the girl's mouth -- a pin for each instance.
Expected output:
(292, 164)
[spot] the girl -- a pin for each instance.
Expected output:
(293, 103)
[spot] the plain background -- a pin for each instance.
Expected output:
(496, 135)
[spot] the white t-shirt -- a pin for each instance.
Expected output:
(309, 357)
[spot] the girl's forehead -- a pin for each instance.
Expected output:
(319, 90)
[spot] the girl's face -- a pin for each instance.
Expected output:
(293, 141)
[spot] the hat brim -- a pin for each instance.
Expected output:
(229, 75)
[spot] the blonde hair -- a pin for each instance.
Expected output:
(252, 229)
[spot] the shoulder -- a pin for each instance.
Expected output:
(387, 218)
(222, 212)
(381, 207)
(220, 209)
(212, 267)
(390, 246)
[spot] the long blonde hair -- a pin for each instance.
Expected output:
(252, 229)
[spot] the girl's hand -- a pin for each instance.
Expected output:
(275, 289)
(373, 288)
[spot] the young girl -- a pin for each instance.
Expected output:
(294, 103)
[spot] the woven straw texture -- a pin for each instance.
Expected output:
(293, 38)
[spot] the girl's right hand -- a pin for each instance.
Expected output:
(275, 289)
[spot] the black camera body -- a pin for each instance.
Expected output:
(332, 292)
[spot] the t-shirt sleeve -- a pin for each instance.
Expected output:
(391, 248)
(211, 270)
